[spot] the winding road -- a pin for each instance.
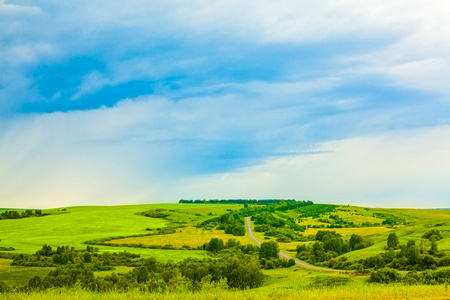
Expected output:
(286, 256)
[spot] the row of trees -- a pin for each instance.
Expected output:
(243, 201)
(238, 270)
(188, 275)
(65, 255)
(267, 253)
(387, 275)
(14, 214)
(328, 245)
(231, 223)
(410, 256)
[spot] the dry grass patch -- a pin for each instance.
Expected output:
(190, 236)
(349, 231)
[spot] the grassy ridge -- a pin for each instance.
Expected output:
(79, 224)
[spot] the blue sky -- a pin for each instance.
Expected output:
(106, 102)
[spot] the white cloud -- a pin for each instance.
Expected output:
(89, 156)
(91, 83)
(402, 169)
(143, 150)
(7, 9)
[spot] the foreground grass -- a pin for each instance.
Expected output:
(356, 290)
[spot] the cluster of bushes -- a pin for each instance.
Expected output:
(387, 275)
(278, 225)
(150, 275)
(403, 257)
(275, 220)
(156, 213)
(216, 245)
(335, 221)
(267, 252)
(14, 214)
(285, 235)
(315, 211)
(390, 219)
(433, 234)
(65, 255)
(231, 223)
(329, 245)
(7, 249)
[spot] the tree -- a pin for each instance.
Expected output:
(34, 282)
(434, 249)
(433, 232)
(333, 244)
(428, 262)
(412, 253)
(142, 275)
(318, 251)
(215, 245)
(356, 242)
(269, 250)
(392, 241)
(87, 257)
(291, 262)
(239, 230)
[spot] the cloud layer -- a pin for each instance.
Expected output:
(106, 103)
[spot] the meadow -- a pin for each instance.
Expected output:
(75, 225)
(118, 225)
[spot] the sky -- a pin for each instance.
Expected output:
(111, 102)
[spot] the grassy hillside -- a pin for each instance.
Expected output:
(193, 225)
(78, 224)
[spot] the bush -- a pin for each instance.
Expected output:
(291, 262)
(385, 275)
(3, 287)
(433, 232)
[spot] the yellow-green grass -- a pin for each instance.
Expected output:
(354, 290)
(349, 231)
(14, 275)
(117, 270)
(189, 235)
(74, 227)
(160, 254)
(78, 224)
(195, 213)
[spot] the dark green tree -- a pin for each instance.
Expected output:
(431, 233)
(142, 275)
(434, 249)
(269, 250)
(215, 245)
(412, 252)
(87, 257)
(318, 251)
(239, 230)
(392, 241)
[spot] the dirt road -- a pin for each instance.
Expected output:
(286, 256)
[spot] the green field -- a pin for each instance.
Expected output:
(79, 224)
(73, 226)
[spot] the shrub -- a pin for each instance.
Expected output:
(385, 275)
(431, 233)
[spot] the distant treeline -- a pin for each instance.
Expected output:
(14, 214)
(243, 201)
